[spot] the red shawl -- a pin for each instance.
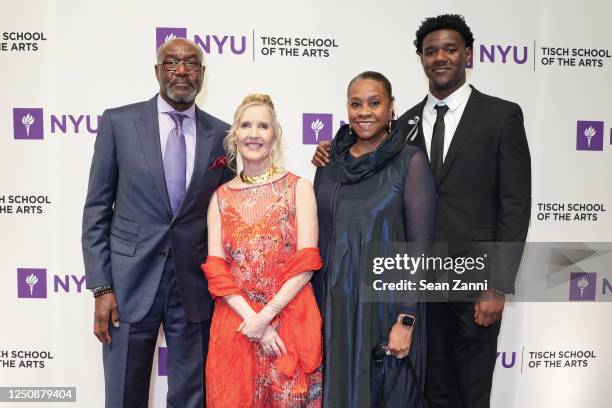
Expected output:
(231, 355)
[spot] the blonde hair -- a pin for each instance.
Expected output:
(229, 143)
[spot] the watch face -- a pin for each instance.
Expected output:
(408, 321)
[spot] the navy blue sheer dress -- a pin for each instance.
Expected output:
(385, 196)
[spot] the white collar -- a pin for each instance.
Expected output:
(163, 107)
(453, 101)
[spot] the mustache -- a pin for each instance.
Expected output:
(440, 64)
(182, 82)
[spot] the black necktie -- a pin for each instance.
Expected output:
(437, 141)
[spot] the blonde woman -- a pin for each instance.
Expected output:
(265, 338)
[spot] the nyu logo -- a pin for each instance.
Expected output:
(582, 286)
(28, 124)
(210, 43)
(507, 360)
(589, 135)
(505, 54)
(164, 34)
(162, 361)
(316, 127)
(32, 283)
(606, 287)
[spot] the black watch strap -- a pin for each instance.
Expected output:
(407, 320)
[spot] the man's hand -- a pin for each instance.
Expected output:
(400, 338)
(106, 307)
(488, 308)
(321, 156)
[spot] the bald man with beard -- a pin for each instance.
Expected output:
(154, 168)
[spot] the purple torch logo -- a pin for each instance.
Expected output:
(589, 135)
(28, 123)
(582, 286)
(32, 283)
(316, 127)
(164, 34)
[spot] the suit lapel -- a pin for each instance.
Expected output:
(467, 121)
(203, 148)
(147, 127)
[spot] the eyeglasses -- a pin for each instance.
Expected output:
(172, 65)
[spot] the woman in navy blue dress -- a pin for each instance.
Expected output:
(375, 190)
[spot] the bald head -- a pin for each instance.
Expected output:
(179, 43)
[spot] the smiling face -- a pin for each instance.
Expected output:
(444, 57)
(255, 135)
(370, 109)
(181, 86)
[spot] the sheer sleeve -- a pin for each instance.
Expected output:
(419, 200)
(419, 214)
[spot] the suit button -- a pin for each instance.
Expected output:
(163, 254)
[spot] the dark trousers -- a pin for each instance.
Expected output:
(460, 357)
(128, 358)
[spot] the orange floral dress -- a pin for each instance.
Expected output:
(259, 236)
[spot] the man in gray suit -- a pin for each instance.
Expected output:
(154, 169)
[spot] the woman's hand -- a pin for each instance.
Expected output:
(271, 343)
(255, 325)
(399, 340)
(321, 156)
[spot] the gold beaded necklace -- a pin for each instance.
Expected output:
(260, 178)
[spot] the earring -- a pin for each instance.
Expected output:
(350, 130)
(389, 127)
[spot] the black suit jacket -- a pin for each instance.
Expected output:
(484, 190)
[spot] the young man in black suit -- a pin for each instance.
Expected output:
(480, 159)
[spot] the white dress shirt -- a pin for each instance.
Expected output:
(167, 125)
(456, 104)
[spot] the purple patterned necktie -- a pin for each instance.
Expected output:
(175, 162)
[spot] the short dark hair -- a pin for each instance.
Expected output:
(454, 22)
(375, 76)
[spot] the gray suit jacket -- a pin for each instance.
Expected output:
(128, 227)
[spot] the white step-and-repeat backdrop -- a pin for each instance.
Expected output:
(65, 61)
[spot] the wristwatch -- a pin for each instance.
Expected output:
(406, 320)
